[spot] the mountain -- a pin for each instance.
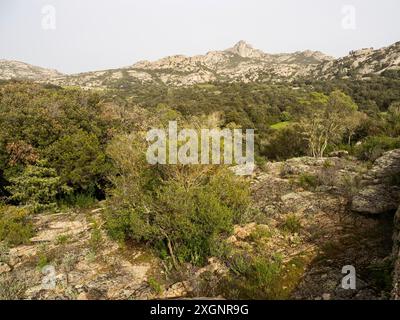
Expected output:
(241, 63)
(361, 63)
(20, 70)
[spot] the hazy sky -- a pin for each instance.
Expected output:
(101, 34)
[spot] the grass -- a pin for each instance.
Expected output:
(154, 285)
(280, 125)
(291, 224)
(260, 233)
(62, 239)
(381, 274)
(266, 278)
(4, 253)
(96, 239)
(308, 181)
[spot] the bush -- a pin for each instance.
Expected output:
(37, 186)
(80, 200)
(178, 209)
(96, 239)
(15, 226)
(253, 278)
(79, 160)
(373, 147)
(285, 143)
(291, 224)
(308, 181)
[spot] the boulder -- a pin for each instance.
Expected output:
(4, 268)
(376, 199)
(379, 194)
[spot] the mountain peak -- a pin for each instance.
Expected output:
(245, 50)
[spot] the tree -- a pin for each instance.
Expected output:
(181, 210)
(326, 119)
(79, 160)
(37, 187)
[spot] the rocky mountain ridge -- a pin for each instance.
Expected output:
(19, 70)
(241, 63)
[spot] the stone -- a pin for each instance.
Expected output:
(4, 268)
(378, 194)
(376, 199)
(243, 232)
(57, 228)
(177, 290)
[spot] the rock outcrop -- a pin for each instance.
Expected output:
(20, 70)
(241, 63)
(379, 194)
(396, 255)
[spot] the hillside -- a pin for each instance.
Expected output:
(241, 63)
(21, 70)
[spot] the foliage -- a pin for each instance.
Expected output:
(373, 147)
(79, 160)
(308, 181)
(285, 143)
(178, 209)
(65, 127)
(326, 120)
(15, 225)
(96, 239)
(292, 223)
(37, 187)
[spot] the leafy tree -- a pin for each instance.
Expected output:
(37, 187)
(326, 119)
(79, 160)
(180, 209)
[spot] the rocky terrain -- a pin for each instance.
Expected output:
(380, 194)
(302, 216)
(19, 70)
(361, 63)
(241, 63)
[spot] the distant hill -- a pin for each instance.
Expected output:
(20, 70)
(241, 63)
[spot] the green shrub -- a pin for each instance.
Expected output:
(308, 181)
(285, 143)
(62, 239)
(179, 210)
(15, 225)
(79, 160)
(260, 233)
(253, 278)
(80, 200)
(96, 238)
(154, 285)
(373, 147)
(37, 187)
(292, 223)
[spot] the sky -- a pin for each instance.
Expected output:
(82, 35)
